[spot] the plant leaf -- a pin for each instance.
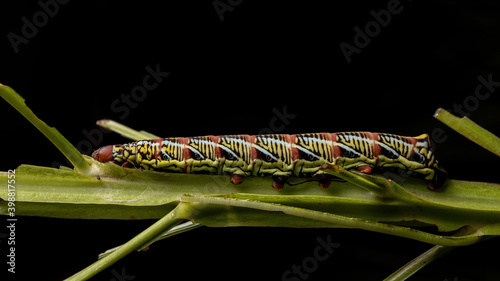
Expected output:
(51, 133)
(470, 130)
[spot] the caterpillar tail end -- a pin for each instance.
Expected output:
(438, 181)
(103, 154)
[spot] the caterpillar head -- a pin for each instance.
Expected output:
(104, 154)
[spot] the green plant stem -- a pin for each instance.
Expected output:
(416, 264)
(178, 229)
(333, 219)
(52, 134)
(66, 148)
(378, 185)
(125, 131)
(470, 130)
(138, 242)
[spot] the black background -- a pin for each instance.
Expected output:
(226, 77)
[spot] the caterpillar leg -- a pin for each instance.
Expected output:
(324, 180)
(365, 169)
(126, 164)
(279, 181)
(236, 178)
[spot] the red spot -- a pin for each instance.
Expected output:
(430, 185)
(433, 186)
(295, 151)
(157, 151)
(336, 149)
(103, 154)
(365, 169)
(236, 179)
(324, 185)
(376, 146)
(217, 149)
(278, 186)
(253, 155)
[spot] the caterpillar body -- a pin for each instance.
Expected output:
(280, 155)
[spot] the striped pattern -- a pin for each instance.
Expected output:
(315, 147)
(355, 144)
(273, 148)
(235, 147)
(279, 154)
(172, 149)
(396, 145)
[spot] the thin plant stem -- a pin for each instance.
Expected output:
(144, 238)
(178, 229)
(416, 264)
(52, 134)
(348, 222)
(125, 131)
(470, 130)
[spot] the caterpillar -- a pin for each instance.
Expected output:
(280, 155)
